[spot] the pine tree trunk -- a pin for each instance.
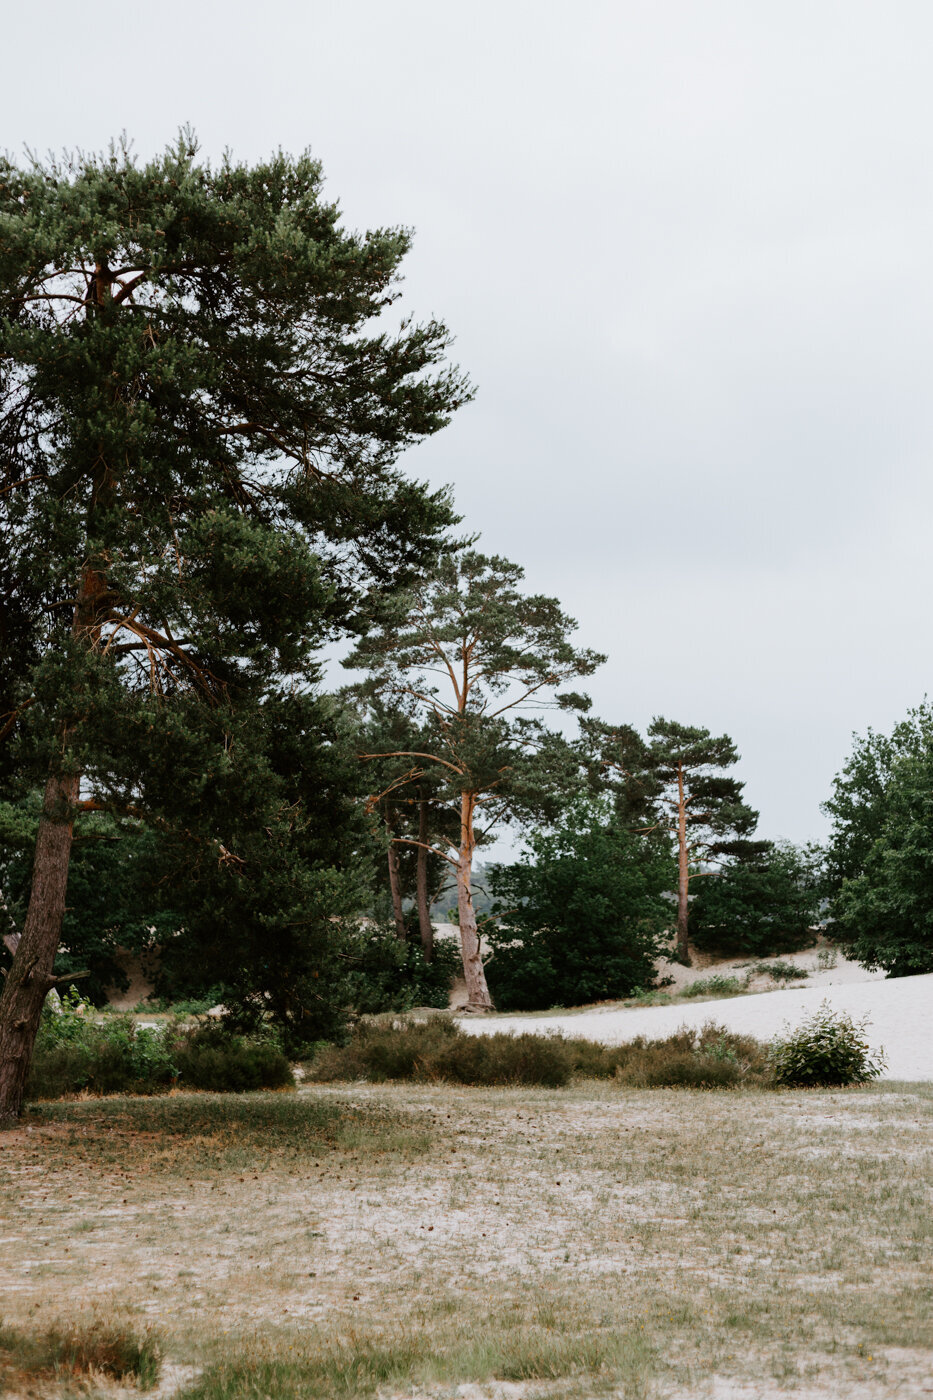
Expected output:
(683, 883)
(31, 976)
(395, 886)
(421, 871)
(478, 998)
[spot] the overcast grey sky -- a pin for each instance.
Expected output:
(687, 252)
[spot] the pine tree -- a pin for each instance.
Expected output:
(198, 438)
(675, 782)
(471, 654)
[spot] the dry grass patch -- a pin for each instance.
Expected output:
(401, 1240)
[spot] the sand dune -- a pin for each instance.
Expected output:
(901, 1012)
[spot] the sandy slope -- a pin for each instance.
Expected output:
(901, 1013)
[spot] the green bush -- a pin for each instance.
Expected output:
(582, 917)
(439, 1050)
(828, 1048)
(75, 1053)
(717, 985)
(210, 1057)
(384, 974)
(780, 971)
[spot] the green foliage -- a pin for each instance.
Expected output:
(828, 1048)
(881, 849)
(716, 985)
(765, 902)
(76, 1352)
(200, 417)
(75, 1053)
(386, 974)
(439, 1050)
(781, 971)
(582, 917)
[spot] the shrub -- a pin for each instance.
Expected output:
(710, 1058)
(76, 1351)
(780, 971)
(717, 985)
(74, 1053)
(386, 974)
(582, 918)
(439, 1050)
(211, 1057)
(828, 1048)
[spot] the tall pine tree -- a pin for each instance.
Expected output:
(198, 438)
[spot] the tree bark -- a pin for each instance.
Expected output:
(421, 873)
(31, 976)
(683, 884)
(478, 998)
(395, 886)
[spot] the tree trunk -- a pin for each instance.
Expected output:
(421, 870)
(395, 885)
(478, 998)
(31, 976)
(683, 883)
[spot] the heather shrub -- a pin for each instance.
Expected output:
(72, 1352)
(210, 1057)
(439, 1050)
(828, 1048)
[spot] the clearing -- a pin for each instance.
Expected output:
(433, 1241)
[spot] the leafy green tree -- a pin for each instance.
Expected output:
(471, 655)
(198, 438)
(583, 916)
(880, 858)
(762, 903)
(675, 782)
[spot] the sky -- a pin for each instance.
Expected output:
(686, 250)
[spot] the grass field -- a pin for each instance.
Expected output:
(405, 1240)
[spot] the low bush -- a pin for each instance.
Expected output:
(211, 1058)
(716, 986)
(74, 1351)
(76, 1053)
(710, 1058)
(780, 971)
(828, 1048)
(439, 1049)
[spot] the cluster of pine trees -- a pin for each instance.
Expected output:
(202, 410)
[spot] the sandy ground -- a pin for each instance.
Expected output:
(900, 1014)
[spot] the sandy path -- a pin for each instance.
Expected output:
(901, 1013)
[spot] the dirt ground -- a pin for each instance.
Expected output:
(740, 1245)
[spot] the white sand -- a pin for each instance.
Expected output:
(901, 1012)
